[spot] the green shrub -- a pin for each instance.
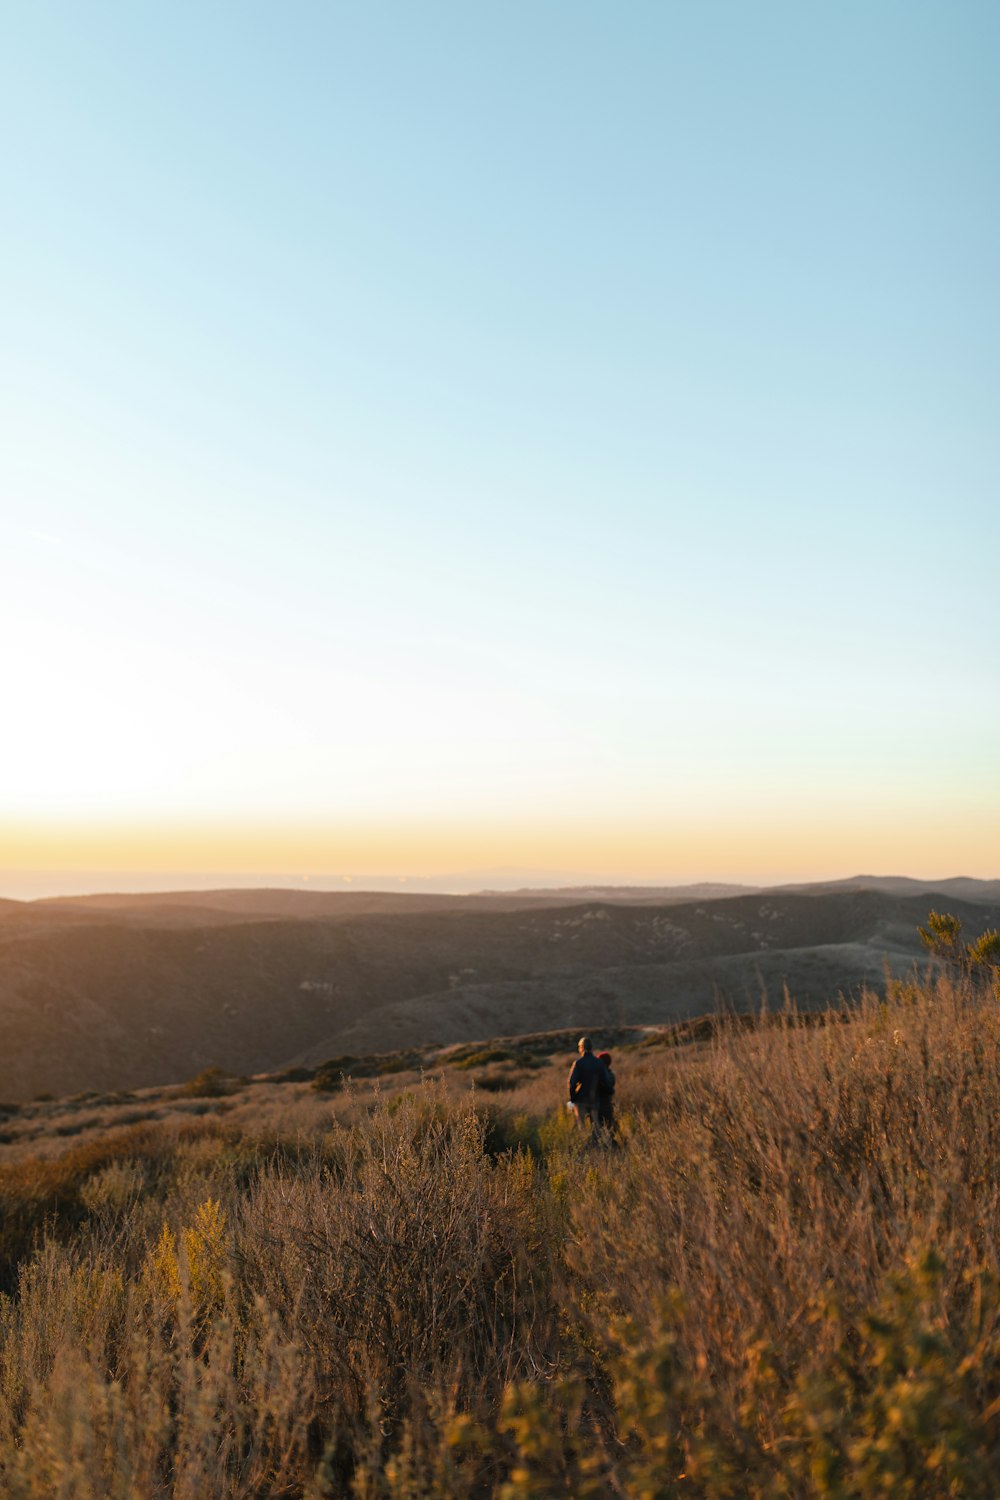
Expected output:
(211, 1083)
(483, 1055)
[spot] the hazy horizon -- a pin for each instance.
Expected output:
(440, 438)
(41, 884)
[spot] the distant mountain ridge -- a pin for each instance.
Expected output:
(705, 890)
(963, 887)
(106, 997)
(292, 902)
(279, 901)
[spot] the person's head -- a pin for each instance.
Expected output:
(605, 1058)
(584, 1045)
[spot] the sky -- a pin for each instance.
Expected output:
(530, 438)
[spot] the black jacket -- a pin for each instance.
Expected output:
(588, 1080)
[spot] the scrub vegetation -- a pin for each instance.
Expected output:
(781, 1281)
(145, 992)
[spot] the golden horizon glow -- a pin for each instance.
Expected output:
(754, 845)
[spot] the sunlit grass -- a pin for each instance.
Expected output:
(782, 1281)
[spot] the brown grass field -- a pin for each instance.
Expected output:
(783, 1280)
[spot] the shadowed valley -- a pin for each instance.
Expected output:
(124, 992)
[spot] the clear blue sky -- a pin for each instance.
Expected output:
(552, 435)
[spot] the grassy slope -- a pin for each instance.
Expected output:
(783, 1282)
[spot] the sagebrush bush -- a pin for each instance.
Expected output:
(781, 1280)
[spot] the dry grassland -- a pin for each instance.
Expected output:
(783, 1281)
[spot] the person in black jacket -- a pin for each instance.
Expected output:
(587, 1082)
(606, 1100)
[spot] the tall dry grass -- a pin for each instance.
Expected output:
(783, 1281)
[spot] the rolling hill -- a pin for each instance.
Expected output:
(101, 997)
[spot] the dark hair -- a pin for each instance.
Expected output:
(605, 1058)
(585, 1044)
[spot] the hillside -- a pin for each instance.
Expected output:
(776, 1278)
(97, 999)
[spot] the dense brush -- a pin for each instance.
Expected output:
(782, 1280)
